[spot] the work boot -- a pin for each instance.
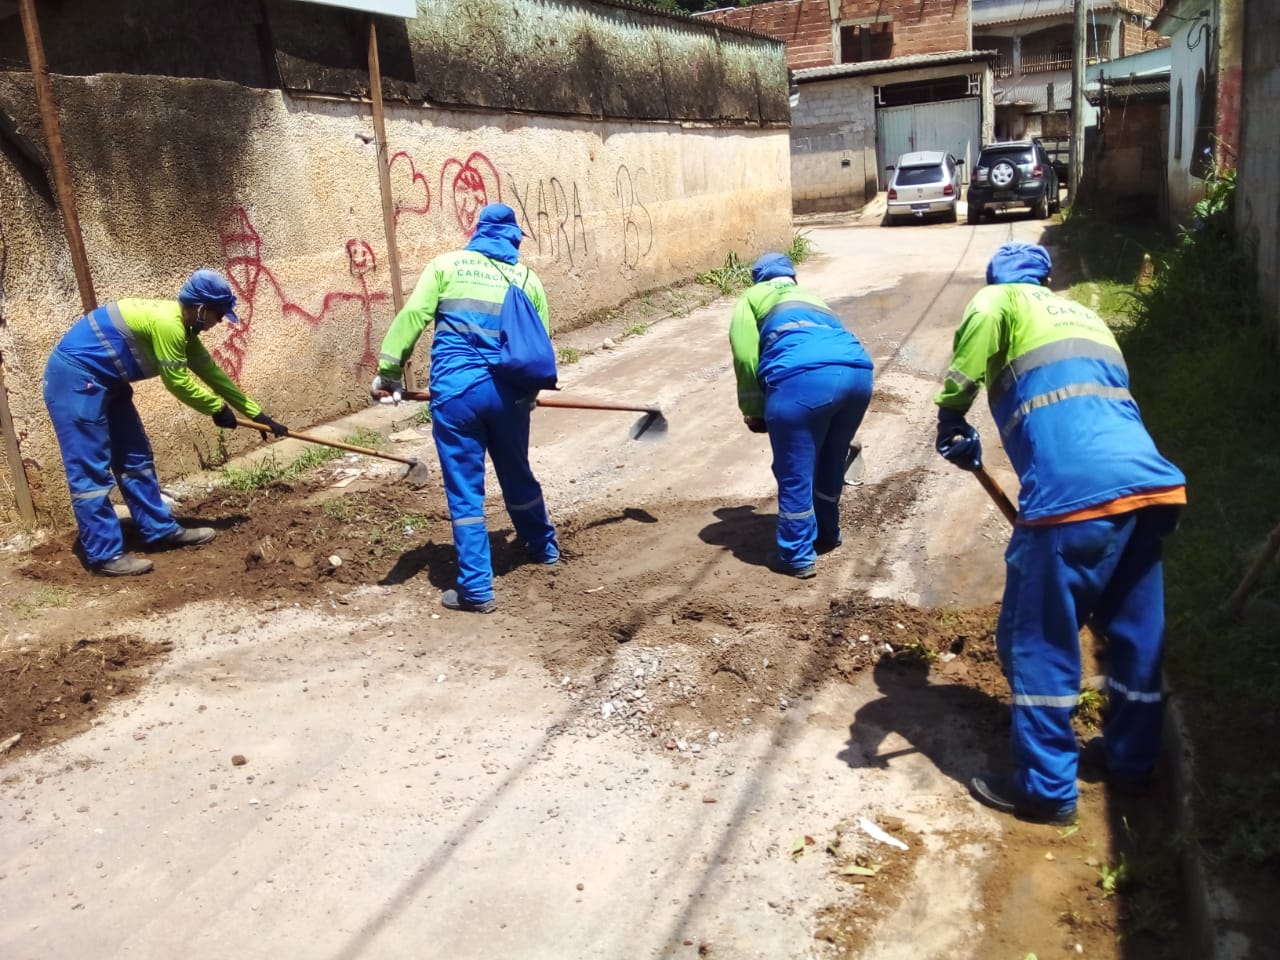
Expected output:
(1094, 757)
(124, 565)
(774, 563)
(827, 544)
(450, 600)
(999, 793)
(185, 537)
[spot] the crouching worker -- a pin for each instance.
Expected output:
(474, 410)
(90, 401)
(1096, 502)
(806, 381)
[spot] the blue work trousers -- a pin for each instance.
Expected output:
(1057, 577)
(103, 443)
(494, 417)
(812, 417)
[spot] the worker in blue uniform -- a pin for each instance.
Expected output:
(90, 401)
(1096, 502)
(472, 411)
(806, 381)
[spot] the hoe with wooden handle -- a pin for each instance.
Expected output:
(416, 476)
(652, 424)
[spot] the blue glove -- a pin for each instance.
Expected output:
(958, 441)
(382, 386)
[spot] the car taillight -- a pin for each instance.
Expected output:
(948, 191)
(1037, 172)
(893, 194)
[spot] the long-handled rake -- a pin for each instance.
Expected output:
(653, 424)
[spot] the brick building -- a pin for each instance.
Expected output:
(824, 33)
(873, 79)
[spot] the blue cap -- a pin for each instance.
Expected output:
(210, 288)
(1019, 263)
(772, 266)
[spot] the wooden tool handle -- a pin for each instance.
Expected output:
(999, 496)
(336, 444)
(554, 402)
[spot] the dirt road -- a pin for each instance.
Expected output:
(656, 749)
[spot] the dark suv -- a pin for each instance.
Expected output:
(1017, 173)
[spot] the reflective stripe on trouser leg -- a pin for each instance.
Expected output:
(460, 445)
(134, 466)
(1063, 570)
(853, 394)
(794, 444)
(509, 449)
(1131, 615)
(77, 405)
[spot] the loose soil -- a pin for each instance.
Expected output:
(664, 667)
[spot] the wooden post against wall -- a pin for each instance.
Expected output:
(13, 454)
(384, 175)
(1075, 152)
(57, 156)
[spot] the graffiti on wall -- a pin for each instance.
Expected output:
(412, 204)
(472, 183)
(637, 225)
(556, 222)
(254, 284)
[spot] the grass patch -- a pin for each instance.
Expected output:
(41, 598)
(568, 355)
(637, 330)
(269, 470)
(801, 248)
(733, 277)
(1202, 364)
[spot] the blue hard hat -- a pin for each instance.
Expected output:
(1019, 263)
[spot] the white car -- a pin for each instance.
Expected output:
(924, 183)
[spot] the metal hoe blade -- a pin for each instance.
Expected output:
(854, 465)
(417, 476)
(651, 426)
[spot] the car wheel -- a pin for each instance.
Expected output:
(975, 213)
(951, 215)
(887, 221)
(1040, 209)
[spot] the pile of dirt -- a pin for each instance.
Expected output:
(52, 693)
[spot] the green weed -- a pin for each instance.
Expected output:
(733, 277)
(41, 598)
(637, 330)
(269, 470)
(568, 355)
(801, 248)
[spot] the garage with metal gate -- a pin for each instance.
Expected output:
(953, 126)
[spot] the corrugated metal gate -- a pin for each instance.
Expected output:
(951, 125)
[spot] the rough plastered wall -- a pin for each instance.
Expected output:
(282, 194)
(1258, 193)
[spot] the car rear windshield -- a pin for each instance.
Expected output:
(913, 176)
(995, 156)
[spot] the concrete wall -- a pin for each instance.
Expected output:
(833, 136)
(1258, 186)
(1129, 174)
(833, 145)
(281, 192)
(1187, 74)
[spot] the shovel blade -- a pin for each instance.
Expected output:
(650, 426)
(854, 465)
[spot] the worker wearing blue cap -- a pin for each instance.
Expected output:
(805, 381)
(90, 401)
(1096, 502)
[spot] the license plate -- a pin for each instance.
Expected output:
(920, 206)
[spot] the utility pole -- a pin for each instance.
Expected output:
(1075, 155)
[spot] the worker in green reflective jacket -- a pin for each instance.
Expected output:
(87, 391)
